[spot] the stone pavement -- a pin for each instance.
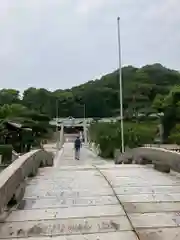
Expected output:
(87, 157)
(91, 199)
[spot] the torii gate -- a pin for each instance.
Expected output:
(70, 122)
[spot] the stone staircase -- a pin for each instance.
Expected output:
(91, 199)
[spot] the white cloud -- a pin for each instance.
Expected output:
(88, 6)
(60, 43)
(167, 11)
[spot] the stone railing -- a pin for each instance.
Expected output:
(96, 149)
(172, 147)
(15, 156)
(12, 179)
(163, 159)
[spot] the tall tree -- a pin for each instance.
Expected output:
(9, 96)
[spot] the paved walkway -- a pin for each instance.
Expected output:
(91, 199)
(87, 157)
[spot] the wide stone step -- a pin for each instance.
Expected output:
(160, 234)
(65, 227)
(146, 190)
(172, 197)
(125, 235)
(68, 202)
(46, 193)
(151, 207)
(77, 203)
(155, 220)
(74, 212)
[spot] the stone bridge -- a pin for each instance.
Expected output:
(90, 199)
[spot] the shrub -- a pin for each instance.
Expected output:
(174, 136)
(108, 136)
(6, 152)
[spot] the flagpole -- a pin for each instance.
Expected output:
(120, 87)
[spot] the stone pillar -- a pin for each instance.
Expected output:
(85, 132)
(58, 139)
(62, 135)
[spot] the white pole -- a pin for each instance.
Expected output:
(57, 116)
(85, 129)
(61, 136)
(84, 111)
(120, 87)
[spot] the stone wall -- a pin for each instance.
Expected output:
(157, 156)
(15, 155)
(172, 147)
(12, 179)
(94, 148)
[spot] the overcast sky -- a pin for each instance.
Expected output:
(62, 43)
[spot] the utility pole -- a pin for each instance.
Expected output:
(57, 113)
(85, 128)
(57, 122)
(120, 87)
(84, 111)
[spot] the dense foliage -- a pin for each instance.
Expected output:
(170, 106)
(6, 153)
(108, 135)
(101, 97)
(150, 89)
(22, 127)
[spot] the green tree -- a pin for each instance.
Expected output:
(9, 96)
(13, 110)
(108, 135)
(37, 99)
(174, 136)
(158, 103)
(141, 87)
(170, 106)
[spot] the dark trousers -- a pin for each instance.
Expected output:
(77, 153)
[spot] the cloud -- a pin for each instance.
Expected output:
(167, 11)
(61, 43)
(86, 6)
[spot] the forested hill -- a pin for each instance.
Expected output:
(101, 97)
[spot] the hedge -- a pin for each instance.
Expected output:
(108, 136)
(6, 153)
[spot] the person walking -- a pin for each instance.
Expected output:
(77, 146)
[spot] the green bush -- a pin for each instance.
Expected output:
(174, 137)
(6, 152)
(108, 136)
